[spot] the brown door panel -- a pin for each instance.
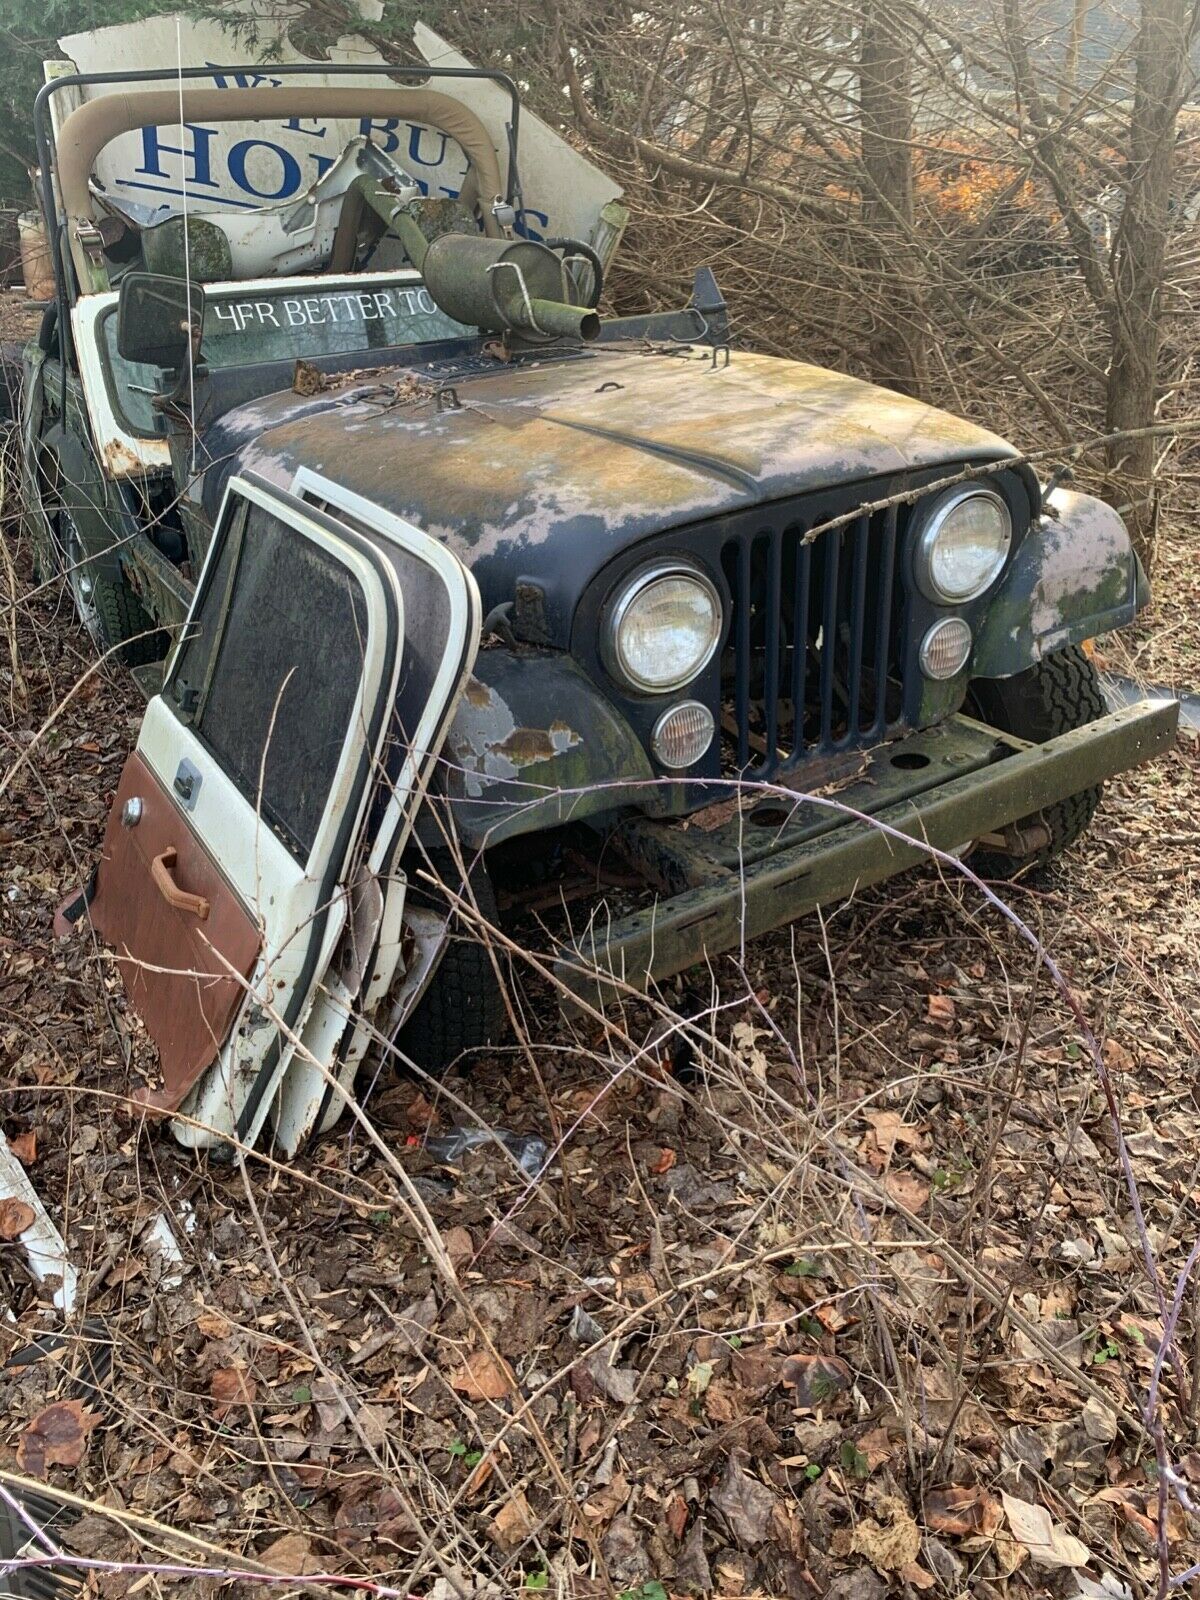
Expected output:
(161, 902)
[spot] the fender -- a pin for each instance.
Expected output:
(103, 522)
(534, 743)
(1075, 576)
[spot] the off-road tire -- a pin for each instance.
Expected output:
(1062, 692)
(463, 1008)
(123, 617)
(119, 616)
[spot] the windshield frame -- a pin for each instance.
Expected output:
(103, 308)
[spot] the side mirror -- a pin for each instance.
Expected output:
(157, 319)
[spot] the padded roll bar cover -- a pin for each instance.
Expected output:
(95, 124)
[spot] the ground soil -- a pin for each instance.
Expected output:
(793, 1308)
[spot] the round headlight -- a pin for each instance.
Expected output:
(963, 546)
(662, 629)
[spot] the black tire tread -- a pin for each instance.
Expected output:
(463, 1008)
(125, 622)
(1063, 691)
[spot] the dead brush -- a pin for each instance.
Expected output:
(834, 1305)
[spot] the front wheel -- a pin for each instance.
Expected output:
(463, 1008)
(1061, 692)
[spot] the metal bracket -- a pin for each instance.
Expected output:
(513, 267)
(1018, 839)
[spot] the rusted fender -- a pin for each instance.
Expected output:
(534, 743)
(1075, 577)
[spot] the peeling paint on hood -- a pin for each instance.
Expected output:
(601, 450)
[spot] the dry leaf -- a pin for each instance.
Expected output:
(484, 1377)
(24, 1147)
(618, 1383)
(890, 1129)
(15, 1217)
(513, 1522)
(57, 1437)
(460, 1247)
(232, 1386)
(373, 1424)
(603, 1505)
(915, 1574)
(1049, 1544)
(745, 1036)
(962, 1511)
(875, 1447)
(889, 1544)
(291, 1554)
(744, 1502)
(419, 1112)
(907, 1190)
(692, 1572)
(677, 1515)
(816, 1379)
(940, 1009)
(725, 1402)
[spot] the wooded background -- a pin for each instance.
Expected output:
(991, 208)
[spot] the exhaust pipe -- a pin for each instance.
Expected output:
(497, 285)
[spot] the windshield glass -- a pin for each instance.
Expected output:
(248, 325)
(243, 329)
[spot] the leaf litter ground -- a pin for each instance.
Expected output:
(830, 1288)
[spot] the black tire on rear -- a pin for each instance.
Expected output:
(463, 1008)
(119, 616)
(1061, 692)
(124, 618)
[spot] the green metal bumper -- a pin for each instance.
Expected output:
(946, 787)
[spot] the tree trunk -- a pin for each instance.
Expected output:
(897, 350)
(1070, 67)
(1139, 255)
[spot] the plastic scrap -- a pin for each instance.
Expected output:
(41, 1240)
(526, 1149)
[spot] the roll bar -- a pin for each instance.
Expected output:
(97, 122)
(398, 102)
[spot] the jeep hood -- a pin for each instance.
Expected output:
(547, 469)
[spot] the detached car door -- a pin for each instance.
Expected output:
(221, 881)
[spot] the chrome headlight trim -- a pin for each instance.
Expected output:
(956, 629)
(930, 533)
(702, 734)
(617, 609)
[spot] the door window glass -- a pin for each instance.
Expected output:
(269, 672)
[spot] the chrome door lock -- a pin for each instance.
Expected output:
(131, 811)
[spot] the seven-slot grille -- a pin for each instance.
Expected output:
(812, 664)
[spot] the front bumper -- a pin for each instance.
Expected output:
(756, 863)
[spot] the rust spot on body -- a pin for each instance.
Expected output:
(120, 460)
(524, 746)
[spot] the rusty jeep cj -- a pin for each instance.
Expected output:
(423, 562)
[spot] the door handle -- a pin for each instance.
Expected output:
(162, 870)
